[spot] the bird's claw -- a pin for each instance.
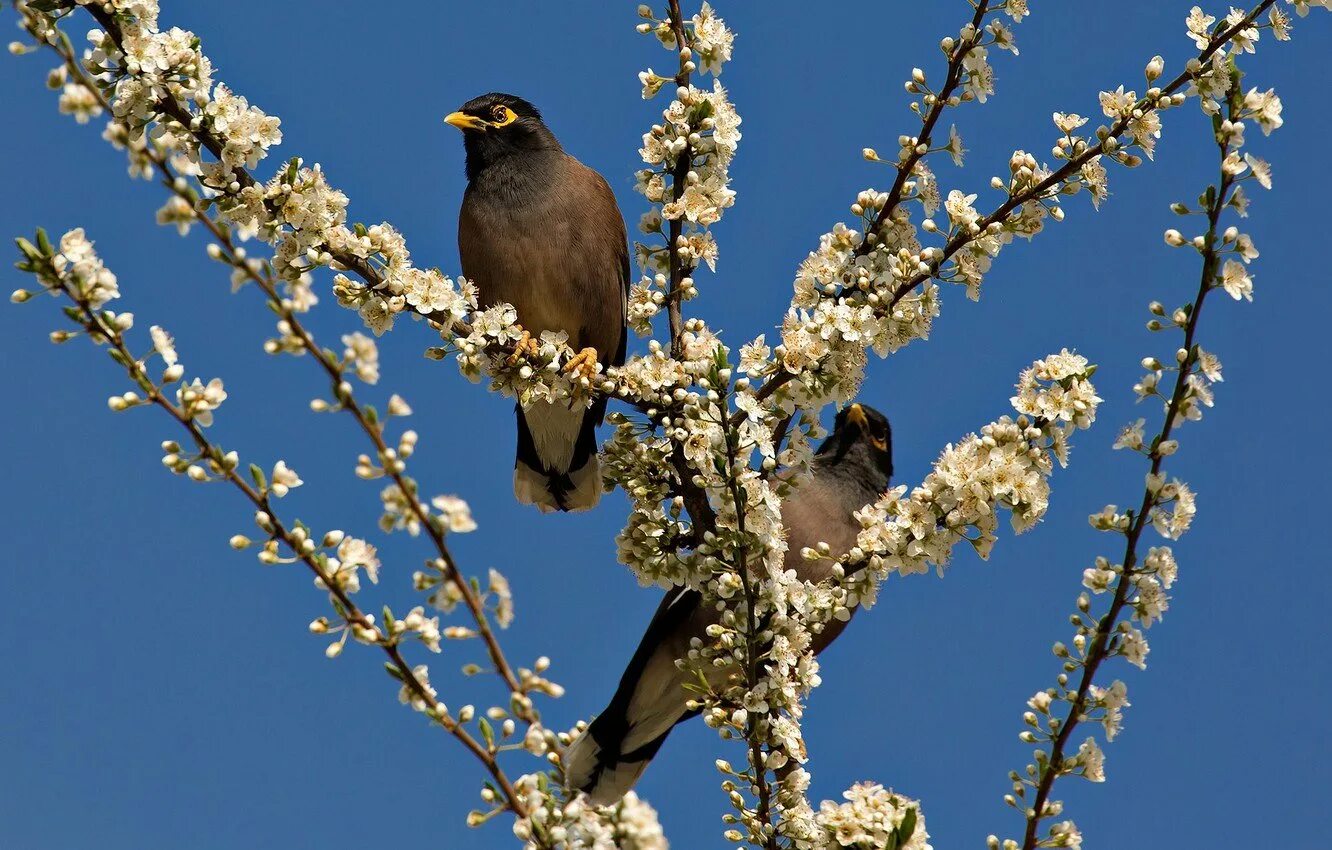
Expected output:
(526, 346)
(583, 364)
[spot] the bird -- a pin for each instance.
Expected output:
(850, 469)
(543, 232)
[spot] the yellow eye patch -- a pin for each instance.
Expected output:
(502, 116)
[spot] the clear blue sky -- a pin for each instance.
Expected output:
(160, 690)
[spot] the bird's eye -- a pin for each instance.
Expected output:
(503, 115)
(878, 436)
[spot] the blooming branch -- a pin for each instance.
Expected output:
(77, 274)
(404, 506)
(1139, 583)
(856, 290)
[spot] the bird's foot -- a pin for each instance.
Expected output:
(526, 346)
(583, 364)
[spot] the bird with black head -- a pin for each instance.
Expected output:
(541, 231)
(851, 469)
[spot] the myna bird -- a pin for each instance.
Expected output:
(851, 469)
(541, 231)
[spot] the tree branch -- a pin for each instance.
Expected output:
(1101, 643)
(98, 328)
(1038, 190)
(520, 702)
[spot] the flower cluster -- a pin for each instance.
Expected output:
(78, 266)
(873, 817)
(1006, 466)
(554, 823)
(688, 156)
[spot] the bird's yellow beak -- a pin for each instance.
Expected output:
(463, 121)
(856, 414)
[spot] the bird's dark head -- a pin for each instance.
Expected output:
(862, 436)
(496, 126)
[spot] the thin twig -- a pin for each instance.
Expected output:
(679, 180)
(951, 81)
(753, 650)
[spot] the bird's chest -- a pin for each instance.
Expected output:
(519, 250)
(814, 515)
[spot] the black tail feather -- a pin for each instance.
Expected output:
(560, 483)
(610, 728)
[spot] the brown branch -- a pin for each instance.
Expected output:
(222, 238)
(1100, 646)
(679, 180)
(753, 650)
(951, 81)
(93, 323)
(1038, 190)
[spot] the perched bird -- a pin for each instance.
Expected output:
(541, 231)
(851, 469)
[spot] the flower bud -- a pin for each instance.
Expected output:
(1154, 68)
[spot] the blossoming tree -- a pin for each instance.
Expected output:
(709, 437)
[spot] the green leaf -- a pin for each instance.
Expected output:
(257, 475)
(487, 732)
(907, 827)
(43, 242)
(49, 6)
(29, 250)
(392, 670)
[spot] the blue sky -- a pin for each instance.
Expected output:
(161, 690)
